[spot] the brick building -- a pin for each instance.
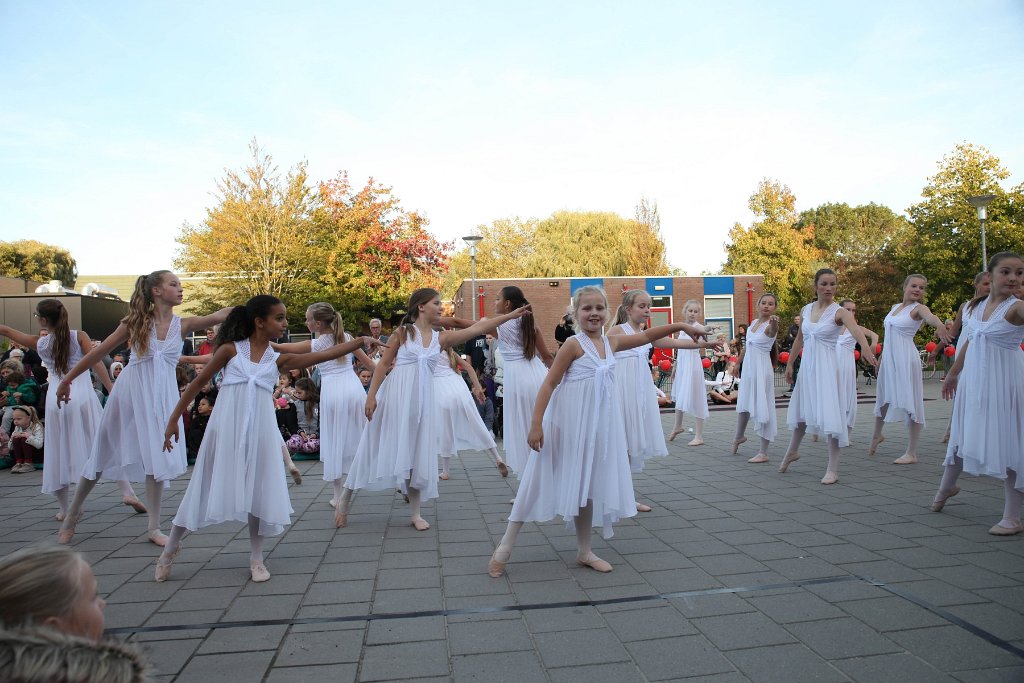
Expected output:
(725, 299)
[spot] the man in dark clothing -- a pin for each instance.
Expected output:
(564, 330)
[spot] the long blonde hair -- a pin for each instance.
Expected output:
(140, 310)
(628, 301)
(37, 583)
(324, 312)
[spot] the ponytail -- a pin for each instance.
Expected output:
(527, 327)
(56, 316)
(323, 312)
(628, 301)
(140, 309)
(241, 321)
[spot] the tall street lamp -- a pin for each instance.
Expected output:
(472, 240)
(980, 203)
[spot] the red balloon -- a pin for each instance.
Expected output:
(878, 349)
(706, 363)
(784, 357)
(930, 347)
(733, 359)
(665, 365)
(856, 354)
(950, 351)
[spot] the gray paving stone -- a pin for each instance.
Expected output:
(950, 649)
(563, 619)
(390, 631)
(170, 656)
(336, 673)
(784, 663)
(649, 622)
(498, 667)
(1007, 674)
(895, 668)
(578, 648)
(749, 629)
(672, 658)
(407, 600)
(404, 661)
(891, 614)
(788, 608)
(840, 638)
(226, 668)
(490, 636)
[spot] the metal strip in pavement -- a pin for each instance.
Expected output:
(464, 611)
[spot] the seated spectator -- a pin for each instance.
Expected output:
(723, 390)
(197, 426)
(307, 415)
(51, 623)
(18, 390)
(486, 409)
(26, 440)
(115, 369)
(365, 377)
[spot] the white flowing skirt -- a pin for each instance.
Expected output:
(69, 433)
(522, 382)
(342, 418)
(688, 389)
(900, 385)
(638, 400)
(460, 427)
(847, 368)
(757, 393)
(815, 399)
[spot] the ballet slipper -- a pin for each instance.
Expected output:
(496, 567)
(787, 461)
(905, 459)
(945, 438)
(830, 478)
(940, 500)
(135, 504)
(503, 469)
(674, 434)
(64, 536)
(259, 572)
(60, 516)
(443, 476)
(814, 438)
(737, 443)
(157, 537)
(759, 458)
(333, 503)
(696, 442)
(163, 571)
(340, 519)
(874, 445)
(512, 502)
(296, 477)
(595, 563)
(640, 507)
(999, 530)
(420, 524)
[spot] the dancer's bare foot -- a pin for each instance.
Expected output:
(759, 458)
(945, 437)
(905, 459)
(340, 518)
(875, 442)
(640, 507)
(157, 537)
(830, 478)
(296, 477)
(60, 516)
(941, 498)
(790, 458)
(674, 434)
(135, 504)
(502, 468)
(595, 563)
(259, 572)
(737, 443)
(696, 442)
(420, 524)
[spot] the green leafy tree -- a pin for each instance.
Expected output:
(647, 253)
(775, 246)
(37, 261)
(505, 251)
(945, 242)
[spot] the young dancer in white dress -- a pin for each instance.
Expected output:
(399, 445)
(238, 475)
(815, 406)
(689, 392)
(900, 389)
(526, 361)
(961, 325)
(68, 432)
(638, 397)
(987, 384)
(846, 362)
(579, 468)
(460, 427)
(342, 398)
(129, 436)
(757, 370)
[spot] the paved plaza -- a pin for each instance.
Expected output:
(739, 573)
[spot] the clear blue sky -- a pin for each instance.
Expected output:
(117, 118)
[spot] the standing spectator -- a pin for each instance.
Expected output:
(564, 329)
(376, 331)
(739, 340)
(207, 346)
(476, 350)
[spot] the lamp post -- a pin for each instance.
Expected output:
(980, 203)
(472, 240)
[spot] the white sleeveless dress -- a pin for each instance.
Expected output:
(342, 410)
(239, 470)
(847, 366)
(965, 329)
(400, 442)
(522, 379)
(987, 425)
(460, 427)
(757, 396)
(899, 370)
(70, 430)
(688, 389)
(816, 401)
(130, 437)
(638, 400)
(584, 453)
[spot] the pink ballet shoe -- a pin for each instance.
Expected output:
(443, 476)
(874, 445)
(340, 519)
(905, 459)
(998, 530)
(421, 524)
(496, 568)
(333, 503)
(60, 516)
(830, 478)
(259, 572)
(157, 537)
(595, 563)
(759, 458)
(163, 571)
(696, 442)
(640, 507)
(736, 444)
(674, 434)
(503, 469)
(65, 535)
(296, 477)
(787, 461)
(135, 504)
(940, 503)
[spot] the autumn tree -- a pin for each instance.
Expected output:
(505, 251)
(775, 246)
(381, 253)
(945, 243)
(647, 253)
(266, 235)
(37, 261)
